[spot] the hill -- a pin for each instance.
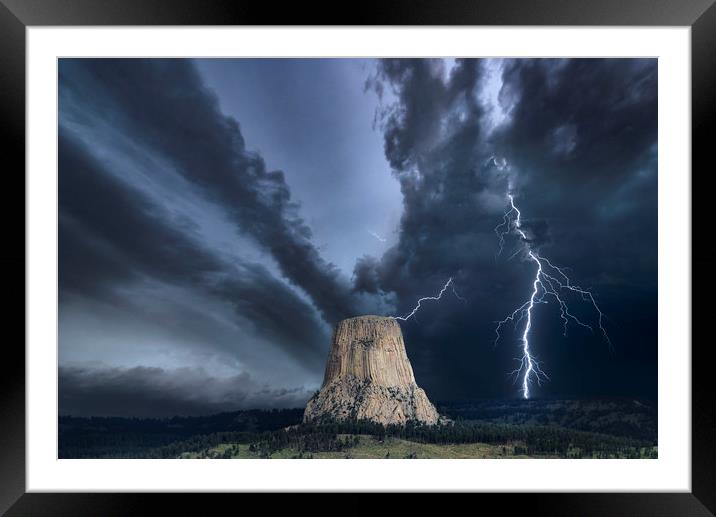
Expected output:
(480, 429)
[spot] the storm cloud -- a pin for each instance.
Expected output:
(192, 280)
(98, 256)
(164, 105)
(575, 142)
(157, 393)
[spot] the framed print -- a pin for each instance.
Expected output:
(427, 249)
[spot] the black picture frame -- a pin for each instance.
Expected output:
(17, 15)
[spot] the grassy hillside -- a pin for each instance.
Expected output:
(371, 447)
(366, 447)
(483, 429)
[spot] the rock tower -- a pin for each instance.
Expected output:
(369, 377)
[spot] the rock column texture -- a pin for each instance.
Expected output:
(369, 377)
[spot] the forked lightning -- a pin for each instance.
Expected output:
(549, 280)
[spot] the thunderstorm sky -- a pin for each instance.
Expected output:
(217, 217)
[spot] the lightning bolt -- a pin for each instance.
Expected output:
(452, 286)
(381, 239)
(449, 283)
(502, 230)
(549, 281)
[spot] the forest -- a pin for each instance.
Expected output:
(565, 429)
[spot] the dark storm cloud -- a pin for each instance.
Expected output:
(581, 122)
(426, 106)
(157, 392)
(164, 105)
(113, 236)
(431, 140)
(537, 232)
(575, 140)
(366, 278)
(578, 148)
(111, 233)
(582, 138)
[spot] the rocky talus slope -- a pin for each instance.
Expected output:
(368, 376)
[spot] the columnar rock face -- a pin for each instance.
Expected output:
(369, 377)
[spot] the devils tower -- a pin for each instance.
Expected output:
(369, 377)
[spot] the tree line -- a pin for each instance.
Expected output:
(332, 436)
(265, 432)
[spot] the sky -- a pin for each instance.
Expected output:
(218, 217)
